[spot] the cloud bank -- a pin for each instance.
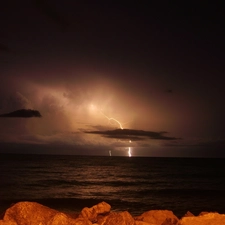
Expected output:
(26, 113)
(131, 134)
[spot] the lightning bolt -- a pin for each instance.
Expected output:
(129, 150)
(112, 119)
(94, 108)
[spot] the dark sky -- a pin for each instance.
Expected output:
(93, 67)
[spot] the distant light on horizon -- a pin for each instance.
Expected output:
(129, 152)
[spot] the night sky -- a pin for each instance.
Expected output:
(101, 77)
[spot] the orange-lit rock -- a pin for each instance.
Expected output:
(137, 222)
(2, 222)
(158, 217)
(204, 212)
(188, 213)
(122, 218)
(96, 210)
(206, 219)
(30, 213)
(62, 219)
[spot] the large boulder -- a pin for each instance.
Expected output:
(62, 219)
(114, 218)
(209, 219)
(2, 222)
(137, 222)
(158, 217)
(92, 213)
(32, 213)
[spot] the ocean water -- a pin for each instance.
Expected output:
(136, 184)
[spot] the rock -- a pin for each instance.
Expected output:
(188, 213)
(206, 219)
(62, 219)
(30, 213)
(203, 213)
(96, 210)
(114, 218)
(127, 218)
(137, 222)
(2, 222)
(102, 208)
(158, 217)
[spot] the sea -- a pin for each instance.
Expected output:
(69, 183)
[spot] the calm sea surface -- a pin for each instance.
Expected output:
(136, 184)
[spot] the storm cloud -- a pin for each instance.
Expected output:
(26, 113)
(131, 134)
(90, 69)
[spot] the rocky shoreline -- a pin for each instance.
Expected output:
(33, 213)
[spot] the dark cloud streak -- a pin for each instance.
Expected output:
(131, 134)
(25, 113)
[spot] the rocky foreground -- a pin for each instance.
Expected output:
(32, 213)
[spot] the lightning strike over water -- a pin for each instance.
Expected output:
(129, 152)
(95, 109)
